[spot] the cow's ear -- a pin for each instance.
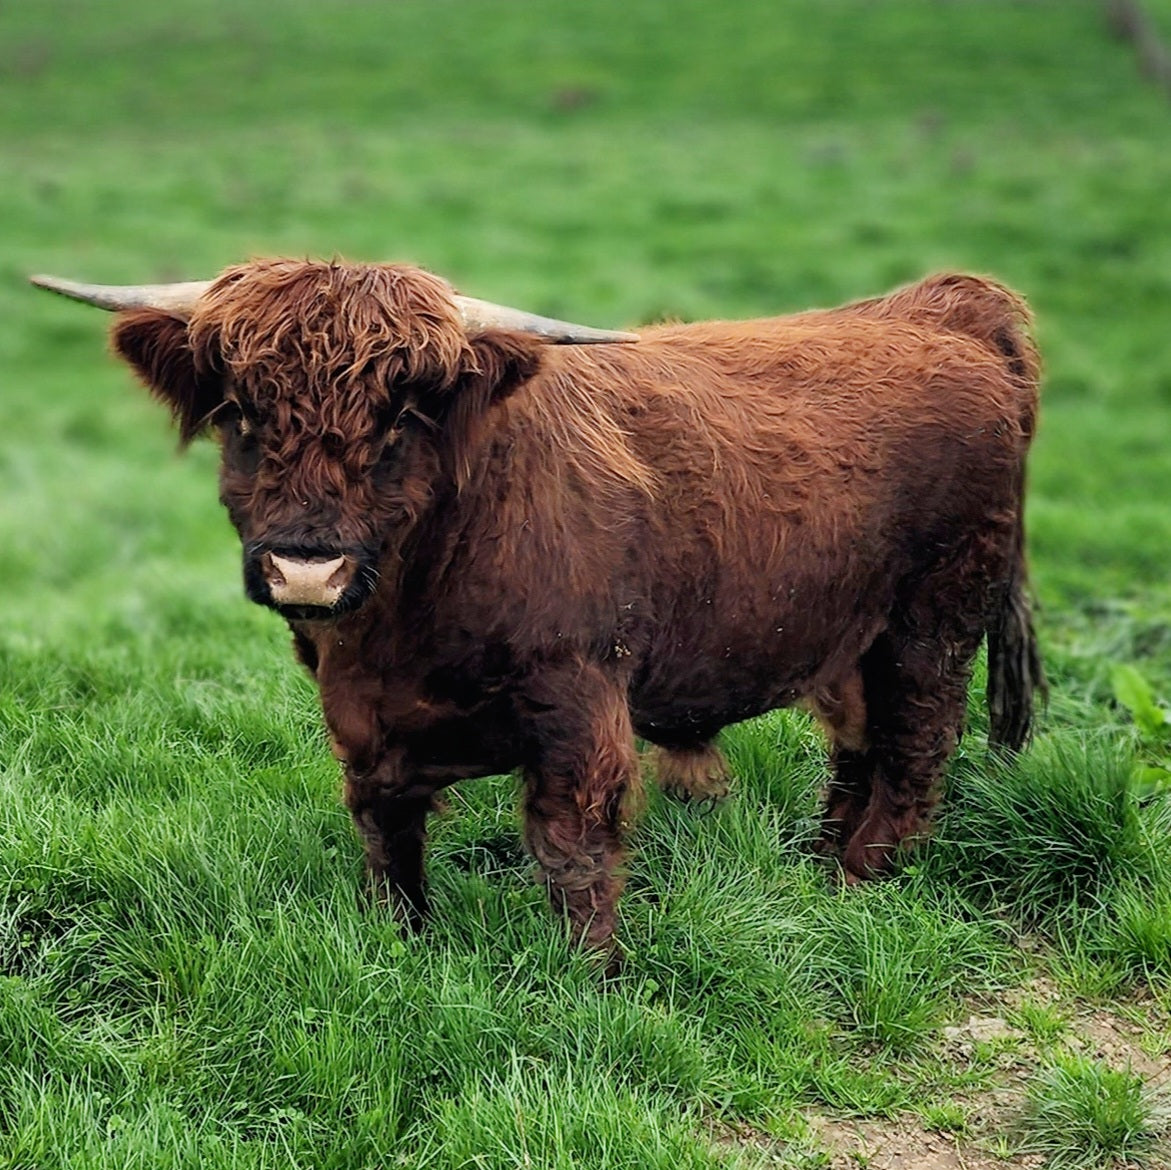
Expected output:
(501, 363)
(498, 364)
(157, 346)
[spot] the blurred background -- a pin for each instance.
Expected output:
(614, 161)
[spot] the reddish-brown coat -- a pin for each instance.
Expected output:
(578, 544)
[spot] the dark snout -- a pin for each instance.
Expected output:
(308, 584)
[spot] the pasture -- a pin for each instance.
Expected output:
(185, 978)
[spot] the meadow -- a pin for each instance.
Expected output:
(185, 977)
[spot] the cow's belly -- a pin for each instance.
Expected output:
(692, 688)
(689, 715)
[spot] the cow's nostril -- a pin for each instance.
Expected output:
(293, 581)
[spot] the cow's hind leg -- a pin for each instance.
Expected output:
(917, 676)
(847, 797)
(582, 767)
(842, 712)
(696, 772)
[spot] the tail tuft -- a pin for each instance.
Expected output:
(1015, 672)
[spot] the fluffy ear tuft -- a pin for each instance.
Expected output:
(500, 363)
(503, 361)
(156, 345)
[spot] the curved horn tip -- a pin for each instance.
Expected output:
(177, 298)
(76, 291)
(594, 337)
(88, 294)
(40, 280)
(478, 316)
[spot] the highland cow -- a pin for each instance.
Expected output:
(497, 553)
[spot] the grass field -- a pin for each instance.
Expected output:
(185, 980)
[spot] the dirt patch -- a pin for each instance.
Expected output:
(902, 1144)
(999, 1038)
(1122, 1043)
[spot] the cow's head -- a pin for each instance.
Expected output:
(343, 397)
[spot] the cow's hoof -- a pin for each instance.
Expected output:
(698, 775)
(377, 896)
(828, 846)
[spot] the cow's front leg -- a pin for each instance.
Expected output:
(390, 814)
(583, 764)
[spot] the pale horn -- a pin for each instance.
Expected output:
(480, 316)
(477, 316)
(178, 299)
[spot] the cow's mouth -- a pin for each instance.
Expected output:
(308, 613)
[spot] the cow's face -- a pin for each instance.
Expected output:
(344, 398)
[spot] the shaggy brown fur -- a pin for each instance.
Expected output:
(559, 548)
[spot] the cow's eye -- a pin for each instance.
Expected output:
(233, 423)
(389, 449)
(413, 416)
(236, 420)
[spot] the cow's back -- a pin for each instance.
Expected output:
(798, 470)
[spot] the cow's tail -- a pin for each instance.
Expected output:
(1015, 672)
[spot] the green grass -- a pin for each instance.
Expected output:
(185, 979)
(1083, 1114)
(1043, 1022)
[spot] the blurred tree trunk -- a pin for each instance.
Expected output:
(1130, 21)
